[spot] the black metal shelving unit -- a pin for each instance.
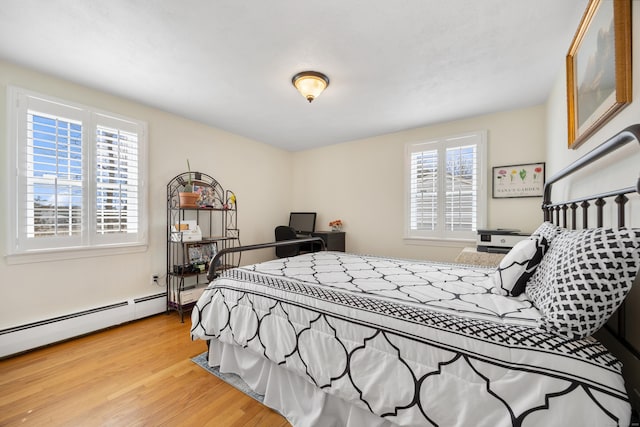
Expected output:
(188, 253)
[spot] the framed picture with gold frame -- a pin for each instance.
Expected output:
(598, 68)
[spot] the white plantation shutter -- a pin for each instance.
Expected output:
(424, 190)
(53, 191)
(79, 176)
(49, 192)
(446, 195)
(461, 188)
(117, 180)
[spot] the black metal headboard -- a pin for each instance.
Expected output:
(632, 133)
(573, 214)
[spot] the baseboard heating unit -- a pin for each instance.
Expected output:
(37, 334)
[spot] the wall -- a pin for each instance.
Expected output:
(257, 173)
(362, 182)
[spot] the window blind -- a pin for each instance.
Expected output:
(461, 188)
(424, 190)
(53, 168)
(445, 193)
(117, 171)
(79, 180)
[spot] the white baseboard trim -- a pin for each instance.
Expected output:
(33, 335)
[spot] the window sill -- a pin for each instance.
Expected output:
(72, 253)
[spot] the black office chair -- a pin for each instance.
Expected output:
(284, 232)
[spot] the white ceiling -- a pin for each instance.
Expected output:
(393, 65)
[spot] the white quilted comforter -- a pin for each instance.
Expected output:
(415, 343)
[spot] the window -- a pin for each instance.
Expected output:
(79, 176)
(446, 188)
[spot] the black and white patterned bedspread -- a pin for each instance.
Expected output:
(416, 343)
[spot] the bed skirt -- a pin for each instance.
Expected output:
(299, 401)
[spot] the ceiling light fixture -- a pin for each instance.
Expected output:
(310, 84)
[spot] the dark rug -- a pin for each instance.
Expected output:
(229, 378)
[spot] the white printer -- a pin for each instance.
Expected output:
(500, 240)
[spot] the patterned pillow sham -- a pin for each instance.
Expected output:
(583, 279)
(547, 230)
(515, 269)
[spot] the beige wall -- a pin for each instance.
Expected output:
(257, 173)
(362, 182)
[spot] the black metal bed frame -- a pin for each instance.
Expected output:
(211, 273)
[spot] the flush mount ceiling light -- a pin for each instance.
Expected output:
(310, 84)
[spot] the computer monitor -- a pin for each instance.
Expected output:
(303, 222)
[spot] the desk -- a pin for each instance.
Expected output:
(333, 240)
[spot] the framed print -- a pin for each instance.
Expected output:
(209, 251)
(518, 181)
(598, 68)
(195, 253)
(207, 196)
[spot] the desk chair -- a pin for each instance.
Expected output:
(284, 232)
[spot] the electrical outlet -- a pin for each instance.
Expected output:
(154, 279)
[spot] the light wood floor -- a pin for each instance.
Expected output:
(139, 374)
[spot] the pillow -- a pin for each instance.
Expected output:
(583, 279)
(518, 266)
(547, 230)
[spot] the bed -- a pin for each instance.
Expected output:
(333, 338)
